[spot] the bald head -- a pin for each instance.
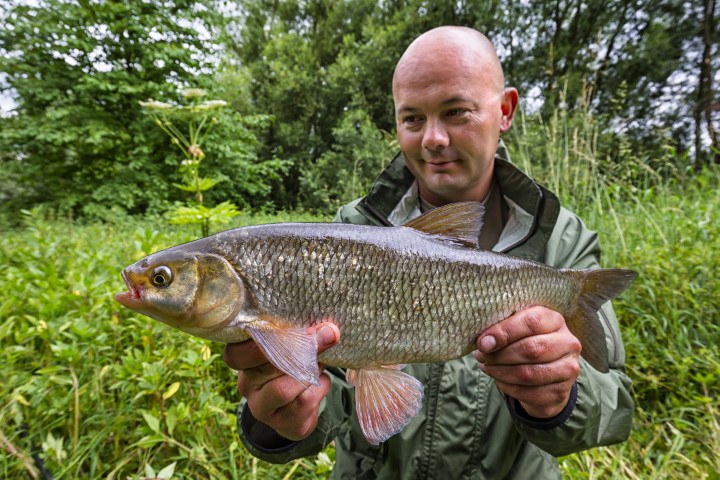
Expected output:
(465, 47)
(451, 106)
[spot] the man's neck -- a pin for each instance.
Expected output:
(493, 221)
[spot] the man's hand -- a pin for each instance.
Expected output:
(274, 398)
(533, 358)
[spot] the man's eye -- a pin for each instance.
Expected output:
(455, 112)
(411, 119)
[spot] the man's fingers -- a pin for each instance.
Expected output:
(268, 397)
(541, 402)
(288, 406)
(255, 378)
(243, 355)
(530, 375)
(526, 323)
(327, 333)
(536, 349)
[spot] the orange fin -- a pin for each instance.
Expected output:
(290, 349)
(458, 223)
(386, 400)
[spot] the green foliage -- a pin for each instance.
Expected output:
(312, 62)
(99, 391)
(343, 173)
(106, 393)
(319, 67)
(187, 126)
(670, 234)
(79, 143)
(78, 140)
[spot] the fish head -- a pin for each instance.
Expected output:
(193, 291)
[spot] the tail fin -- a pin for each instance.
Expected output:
(598, 286)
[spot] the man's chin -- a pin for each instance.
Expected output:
(439, 191)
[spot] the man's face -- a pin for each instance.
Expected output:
(449, 115)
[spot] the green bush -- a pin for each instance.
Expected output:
(99, 391)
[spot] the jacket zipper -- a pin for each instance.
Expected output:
(433, 390)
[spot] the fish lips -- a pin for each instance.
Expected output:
(132, 298)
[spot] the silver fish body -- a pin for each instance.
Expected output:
(398, 295)
(410, 294)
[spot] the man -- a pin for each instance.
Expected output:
(525, 396)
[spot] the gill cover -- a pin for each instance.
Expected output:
(220, 292)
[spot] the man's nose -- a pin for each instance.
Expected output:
(435, 135)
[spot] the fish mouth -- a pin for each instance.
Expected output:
(132, 296)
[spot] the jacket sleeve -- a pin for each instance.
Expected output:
(603, 409)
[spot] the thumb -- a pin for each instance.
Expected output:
(327, 335)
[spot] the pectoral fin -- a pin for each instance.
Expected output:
(386, 400)
(290, 349)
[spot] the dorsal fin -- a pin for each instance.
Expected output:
(457, 222)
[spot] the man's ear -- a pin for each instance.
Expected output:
(508, 106)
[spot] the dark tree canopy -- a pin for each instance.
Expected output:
(647, 70)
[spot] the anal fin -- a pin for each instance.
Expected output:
(386, 399)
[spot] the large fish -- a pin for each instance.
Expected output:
(417, 293)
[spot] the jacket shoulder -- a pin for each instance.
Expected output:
(349, 213)
(572, 244)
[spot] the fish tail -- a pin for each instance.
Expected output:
(598, 287)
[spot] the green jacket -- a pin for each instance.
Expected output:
(466, 427)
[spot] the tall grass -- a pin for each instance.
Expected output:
(99, 392)
(665, 224)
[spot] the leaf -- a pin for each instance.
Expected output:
(149, 441)
(208, 183)
(172, 390)
(171, 421)
(152, 421)
(167, 472)
(186, 188)
(206, 352)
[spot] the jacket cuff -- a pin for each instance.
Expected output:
(519, 414)
(262, 437)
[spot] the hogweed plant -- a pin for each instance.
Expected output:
(188, 126)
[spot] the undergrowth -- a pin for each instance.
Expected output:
(95, 390)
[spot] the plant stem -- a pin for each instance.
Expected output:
(76, 415)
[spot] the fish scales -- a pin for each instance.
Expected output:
(398, 297)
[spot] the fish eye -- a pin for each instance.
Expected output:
(161, 276)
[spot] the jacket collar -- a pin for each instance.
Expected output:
(533, 208)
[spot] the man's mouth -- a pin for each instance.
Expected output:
(440, 164)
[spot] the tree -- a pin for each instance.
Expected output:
(318, 64)
(77, 139)
(706, 104)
